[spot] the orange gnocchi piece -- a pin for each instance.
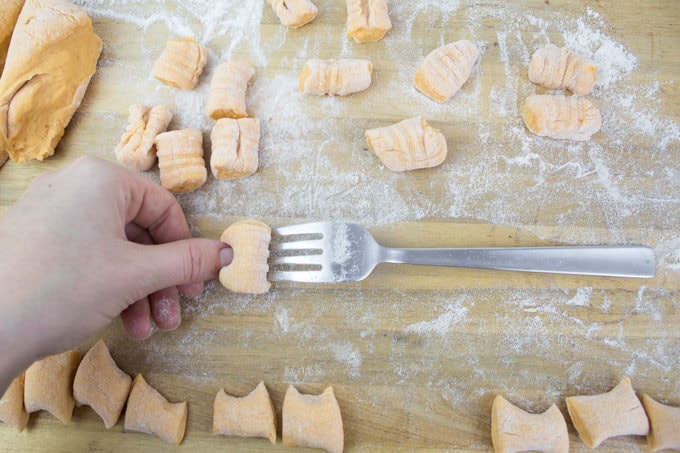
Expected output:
(180, 160)
(446, 69)
(562, 117)
(181, 63)
(558, 67)
(294, 13)
(335, 77)
(312, 421)
(227, 95)
(235, 145)
(12, 410)
(408, 145)
(367, 20)
(664, 422)
(136, 147)
(9, 13)
(250, 416)
(247, 272)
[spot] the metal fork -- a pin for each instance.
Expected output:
(335, 252)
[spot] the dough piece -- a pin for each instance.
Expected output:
(49, 385)
(250, 416)
(180, 160)
(367, 20)
(557, 67)
(664, 433)
(149, 412)
(9, 13)
(408, 145)
(562, 117)
(335, 77)
(312, 421)
(181, 63)
(294, 13)
(247, 272)
(235, 145)
(4, 157)
(615, 413)
(51, 58)
(446, 69)
(227, 95)
(136, 148)
(100, 384)
(12, 410)
(514, 430)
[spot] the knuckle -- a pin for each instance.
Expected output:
(194, 263)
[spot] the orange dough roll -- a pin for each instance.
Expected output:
(558, 67)
(235, 146)
(49, 385)
(136, 147)
(294, 13)
(180, 160)
(250, 416)
(12, 411)
(664, 422)
(227, 95)
(562, 117)
(335, 77)
(408, 145)
(514, 430)
(312, 421)
(367, 20)
(9, 13)
(446, 69)
(149, 412)
(247, 272)
(181, 63)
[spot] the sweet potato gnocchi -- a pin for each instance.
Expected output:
(235, 146)
(367, 20)
(180, 160)
(9, 13)
(562, 117)
(227, 94)
(136, 147)
(294, 13)
(12, 411)
(558, 67)
(446, 69)
(181, 63)
(49, 385)
(250, 416)
(312, 420)
(335, 77)
(247, 272)
(664, 425)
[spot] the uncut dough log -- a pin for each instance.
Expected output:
(615, 413)
(181, 63)
(664, 421)
(335, 77)
(558, 67)
(136, 147)
(49, 385)
(562, 117)
(149, 412)
(12, 411)
(408, 145)
(227, 94)
(250, 416)
(514, 430)
(446, 69)
(247, 272)
(9, 12)
(235, 146)
(294, 13)
(100, 384)
(367, 20)
(51, 58)
(180, 160)
(312, 420)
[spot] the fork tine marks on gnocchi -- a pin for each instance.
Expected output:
(446, 69)
(294, 13)
(367, 20)
(562, 117)
(335, 77)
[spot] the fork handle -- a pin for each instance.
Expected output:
(612, 261)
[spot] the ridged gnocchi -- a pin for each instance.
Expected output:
(180, 160)
(294, 13)
(235, 146)
(247, 272)
(562, 117)
(250, 416)
(136, 147)
(367, 20)
(181, 63)
(227, 94)
(446, 69)
(335, 77)
(558, 67)
(312, 421)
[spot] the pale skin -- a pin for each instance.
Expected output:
(86, 244)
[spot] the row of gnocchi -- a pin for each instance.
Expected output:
(596, 418)
(58, 383)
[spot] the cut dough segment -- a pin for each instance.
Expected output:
(181, 63)
(235, 145)
(558, 67)
(562, 117)
(335, 77)
(180, 160)
(49, 385)
(227, 95)
(247, 272)
(294, 13)
(408, 145)
(615, 413)
(9, 13)
(149, 412)
(100, 384)
(250, 416)
(12, 411)
(51, 58)
(312, 421)
(664, 421)
(136, 148)
(514, 430)
(367, 20)
(446, 69)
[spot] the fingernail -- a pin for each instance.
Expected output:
(226, 255)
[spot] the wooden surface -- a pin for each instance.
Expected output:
(416, 355)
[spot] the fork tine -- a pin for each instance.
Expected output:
(312, 260)
(297, 276)
(302, 228)
(313, 244)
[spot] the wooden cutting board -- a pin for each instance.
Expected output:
(415, 355)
